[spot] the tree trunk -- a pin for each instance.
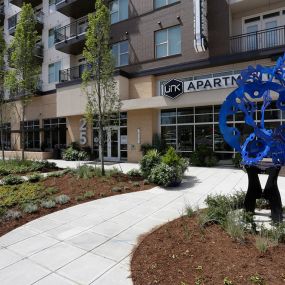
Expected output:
(23, 133)
(102, 146)
(2, 144)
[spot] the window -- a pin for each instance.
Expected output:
(119, 10)
(54, 132)
(161, 3)
(51, 38)
(53, 72)
(6, 133)
(32, 134)
(121, 53)
(52, 6)
(168, 42)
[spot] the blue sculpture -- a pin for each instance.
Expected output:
(260, 84)
(256, 84)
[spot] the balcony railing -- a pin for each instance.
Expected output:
(72, 73)
(73, 30)
(12, 21)
(260, 40)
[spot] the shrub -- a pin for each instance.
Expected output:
(162, 174)
(149, 161)
(41, 165)
(48, 204)
(36, 177)
(171, 158)
(203, 156)
(136, 184)
(219, 206)
(189, 211)
(13, 215)
(51, 190)
(72, 154)
(62, 199)
(12, 180)
(30, 208)
(134, 173)
(85, 172)
(235, 227)
(89, 194)
(55, 174)
(262, 244)
(113, 171)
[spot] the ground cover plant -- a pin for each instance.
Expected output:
(24, 201)
(15, 166)
(218, 245)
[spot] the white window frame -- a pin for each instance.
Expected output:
(118, 56)
(166, 42)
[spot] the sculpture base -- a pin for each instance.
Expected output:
(270, 192)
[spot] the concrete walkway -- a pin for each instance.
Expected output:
(91, 243)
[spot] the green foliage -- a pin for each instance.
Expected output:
(48, 204)
(171, 158)
(13, 215)
(237, 160)
(30, 208)
(219, 206)
(23, 78)
(12, 180)
(262, 244)
(85, 172)
(20, 194)
(227, 281)
(257, 279)
(235, 227)
(162, 174)
(62, 199)
(55, 174)
(36, 177)
(134, 173)
(189, 211)
(73, 154)
(113, 171)
(89, 194)
(149, 161)
(51, 190)
(146, 147)
(203, 156)
(136, 184)
(15, 166)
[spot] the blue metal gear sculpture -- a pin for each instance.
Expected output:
(260, 84)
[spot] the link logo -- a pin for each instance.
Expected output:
(173, 88)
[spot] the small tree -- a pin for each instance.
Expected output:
(98, 77)
(22, 79)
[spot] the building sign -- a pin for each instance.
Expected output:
(83, 132)
(200, 25)
(176, 87)
(124, 139)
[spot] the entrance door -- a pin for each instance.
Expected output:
(112, 143)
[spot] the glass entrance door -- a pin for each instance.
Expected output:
(111, 142)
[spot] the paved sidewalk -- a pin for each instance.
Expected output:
(91, 243)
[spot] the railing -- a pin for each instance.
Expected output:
(59, 1)
(72, 73)
(12, 21)
(259, 40)
(72, 30)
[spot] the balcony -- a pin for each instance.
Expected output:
(270, 41)
(12, 22)
(2, 14)
(19, 3)
(71, 38)
(75, 8)
(38, 53)
(71, 74)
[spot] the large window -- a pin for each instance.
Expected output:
(51, 36)
(6, 136)
(32, 134)
(121, 53)
(119, 10)
(187, 128)
(53, 72)
(168, 42)
(54, 132)
(161, 3)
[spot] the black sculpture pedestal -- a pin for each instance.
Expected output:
(270, 192)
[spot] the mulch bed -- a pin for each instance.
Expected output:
(75, 187)
(180, 253)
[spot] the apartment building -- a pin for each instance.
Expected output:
(176, 62)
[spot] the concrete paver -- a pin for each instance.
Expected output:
(91, 243)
